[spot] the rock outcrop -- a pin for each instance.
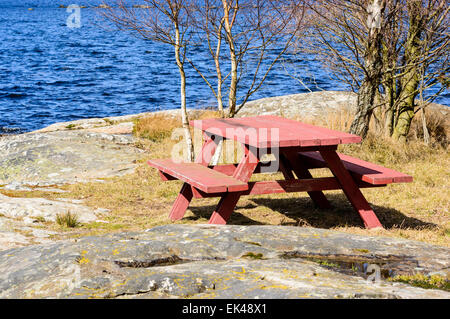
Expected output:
(306, 104)
(61, 157)
(30, 209)
(204, 261)
(314, 104)
(46, 160)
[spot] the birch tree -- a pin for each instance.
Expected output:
(246, 38)
(165, 21)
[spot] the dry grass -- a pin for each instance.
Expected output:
(417, 210)
(437, 123)
(156, 127)
(160, 126)
(438, 126)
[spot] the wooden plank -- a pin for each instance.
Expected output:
(199, 176)
(288, 135)
(296, 186)
(351, 190)
(229, 169)
(292, 186)
(166, 177)
(297, 131)
(239, 128)
(365, 171)
(344, 138)
(291, 133)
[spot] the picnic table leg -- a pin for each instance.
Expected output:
(181, 203)
(225, 208)
(185, 196)
(228, 201)
(301, 171)
(350, 189)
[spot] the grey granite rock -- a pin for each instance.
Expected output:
(32, 208)
(315, 104)
(45, 159)
(17, 233)
(203, 261)
(12, 239)
(117, 124)
(304, 104)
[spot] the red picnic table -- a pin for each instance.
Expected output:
(295, 147)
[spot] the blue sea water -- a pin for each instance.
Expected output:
(51, 73)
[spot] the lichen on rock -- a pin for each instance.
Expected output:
(143, 265)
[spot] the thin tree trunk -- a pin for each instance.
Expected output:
(233, 59)
(389, 113)
(219, 72)
(389, 96)
(184, 115)
(426, 134)
(378, 114)
(216, 156)
(233, 85)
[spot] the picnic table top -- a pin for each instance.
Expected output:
(271, 131)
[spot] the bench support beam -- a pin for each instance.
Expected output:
(302, 172)
(287, 186)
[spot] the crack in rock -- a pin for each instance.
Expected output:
(160, 262)
(165, 261)
(390, 265)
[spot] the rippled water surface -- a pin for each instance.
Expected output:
(50, 73)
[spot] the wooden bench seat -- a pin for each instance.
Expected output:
(199, 176)
(361, 170)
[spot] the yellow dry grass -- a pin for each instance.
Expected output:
(418, 210)
(156, 127)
